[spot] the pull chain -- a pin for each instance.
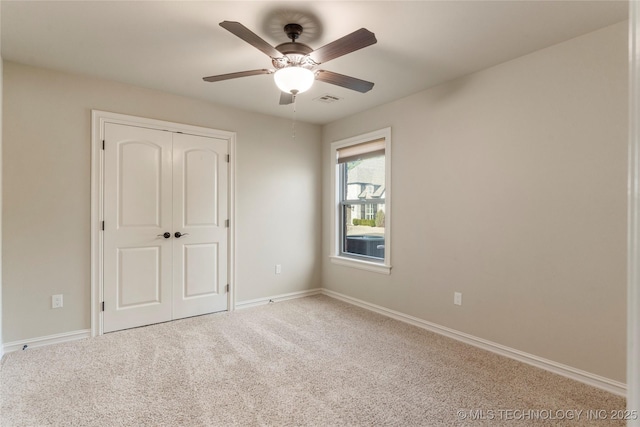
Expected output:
(293, 125)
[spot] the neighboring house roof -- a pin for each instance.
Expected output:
(379, 192)
(369, 193)
(369, 171)
(368, 176)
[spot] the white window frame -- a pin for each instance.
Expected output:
(383, 267)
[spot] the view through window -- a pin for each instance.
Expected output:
(362, 182)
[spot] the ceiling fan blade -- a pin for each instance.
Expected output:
(250, 37)
(229, 76)
(286, 98)
(342, 46)
(344, 81)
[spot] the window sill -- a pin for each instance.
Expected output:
(362, 265)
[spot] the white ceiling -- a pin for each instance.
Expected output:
(171, 45)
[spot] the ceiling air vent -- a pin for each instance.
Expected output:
(327, 99)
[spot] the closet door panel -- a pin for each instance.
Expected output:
(200, 182)
(137, 212)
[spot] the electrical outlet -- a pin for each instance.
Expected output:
(278, 268)
(56, 301)
(457, 298)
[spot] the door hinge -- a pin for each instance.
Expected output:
(228, 158)
(102, 225)
(103, 144)
(226, 223)
(227, 288)
(102, 305)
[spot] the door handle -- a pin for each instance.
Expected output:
(166, 235)
(179, 234)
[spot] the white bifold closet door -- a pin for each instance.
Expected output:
(165, 238)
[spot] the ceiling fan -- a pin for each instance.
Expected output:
(295, 63)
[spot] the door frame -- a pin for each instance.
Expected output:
(633, 219)
(98, 121)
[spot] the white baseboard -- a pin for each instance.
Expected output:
(86, 333)
(594, 380)
(277, 298)
(47, 340)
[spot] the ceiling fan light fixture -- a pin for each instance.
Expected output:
(294, 80)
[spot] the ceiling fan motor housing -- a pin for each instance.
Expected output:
(295, 55)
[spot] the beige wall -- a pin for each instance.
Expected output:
(509, 185)
(47, 118)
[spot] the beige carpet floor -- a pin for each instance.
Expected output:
(308, 362)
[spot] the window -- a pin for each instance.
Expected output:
(369, 210)
(361, 222)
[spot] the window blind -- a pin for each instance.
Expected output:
(361, 151)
